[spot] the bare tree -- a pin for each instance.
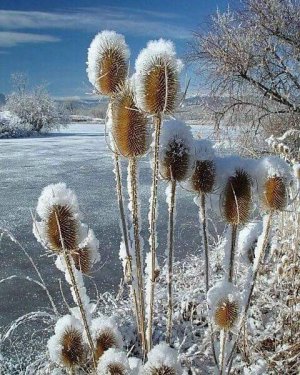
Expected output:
(251, 57)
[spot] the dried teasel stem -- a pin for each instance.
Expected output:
(234, 229)
(261, 252)
(223, 338)
(202, 219)
(77, 294)
(152, 217)
(170, 260)
(137, 247)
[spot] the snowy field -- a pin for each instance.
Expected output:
(78, 156)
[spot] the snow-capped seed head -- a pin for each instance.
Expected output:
(61, 228)
(236, 198)
(66, 347)
(162, 360)
(105, 335)
(176, 151)
(224, 303)
(129, 125)
(87, 253)
(113, 362)
(107, 62)
(274, 195)
(204, 175)
(58, 209)
(226, 314)
(157, 77)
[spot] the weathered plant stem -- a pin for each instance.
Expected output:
(137, 247)
(223, 337)
(232, 252)
(170, 260)
(124, 228)
(266, 231)
(77, 294)
(152, 218)
(202, 219)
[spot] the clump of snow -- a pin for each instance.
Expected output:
(103, 41)
(91, 244)
(156, 50)
(203, 149)
(113, 357)
(176, 131)
(162, 355)
(106, 324)
(246, 241)
(64, 324)
(271, 166)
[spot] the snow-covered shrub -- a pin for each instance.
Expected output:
(12, 126)
(36, 109)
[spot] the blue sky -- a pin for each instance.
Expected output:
(48, 39)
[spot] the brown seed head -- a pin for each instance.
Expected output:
(176, 161)
(161, 87)
(61, 220)
(112, 71)
(104, 341)
(237, 198)
(204, 176)
(82, 260)
(116, 369)
(129, 125)
(274, 194)
(72, 347)
(162, 370)
(226, 314)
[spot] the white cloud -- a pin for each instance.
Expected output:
(126, 20)
(10, 39)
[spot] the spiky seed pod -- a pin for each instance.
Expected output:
(72, 347)
(204, 175)
(82, 260)
(176, 162)
(61, 224)
(129, 125)
(162, 370)
(157, 77)
(226, 314)
(237, 198)
(176, 157)
(113, 362)
(274, 193)
(105, 340)
(107, 62)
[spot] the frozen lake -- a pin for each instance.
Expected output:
(79, 157)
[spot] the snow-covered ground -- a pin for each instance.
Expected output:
(80, 157)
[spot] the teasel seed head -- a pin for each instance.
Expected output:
(162, 360)
(236, 198)
(226, 314)
(176, 151)
(82, 260)
(62, 228)
(67, 347)
(107, 62)
(113, 362)
(105, 335)
(129, 125)
(204, 175)
(224, 301)
(157, 77)
(274, 193)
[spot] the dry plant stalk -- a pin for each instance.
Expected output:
(61, 233)
(129, 130)
(273, 199)
(236, 208)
